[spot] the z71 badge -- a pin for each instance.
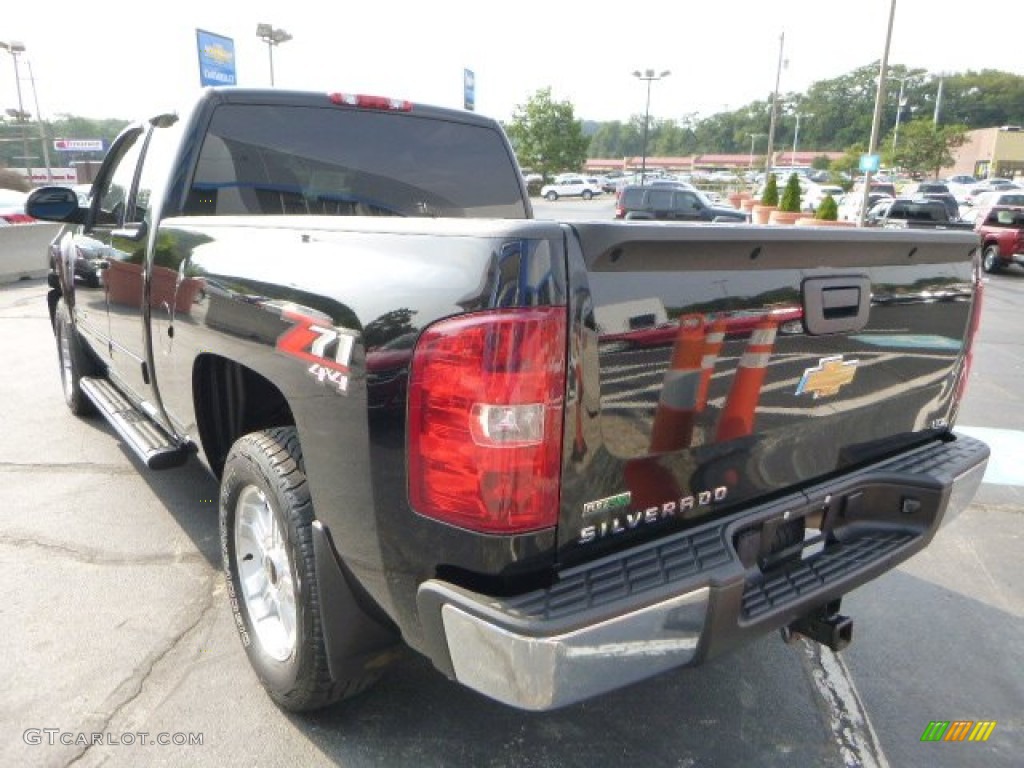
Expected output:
(328, 348)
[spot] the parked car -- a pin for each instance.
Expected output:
(12, 201)
(999, 197)
(849, 204)
(961, 179)
(935, 190)
(816, 193)
(577, 186)
(917, 212)
(670, 203)
(1002, 238)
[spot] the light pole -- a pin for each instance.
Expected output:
(14, 49)
(900, 103)
(43, 141)
(271, 36)
(796, 137)
(649, 76)
(876, 120)
(753, 137)
(775, 102)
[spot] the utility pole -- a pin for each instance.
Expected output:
(775, 102)
(43, 141)
(938, 101)
(14, 49)
(877, 120)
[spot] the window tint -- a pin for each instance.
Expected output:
(633, 198)
(309, 160)
(113, 198)
(687, 201)
(660, 199)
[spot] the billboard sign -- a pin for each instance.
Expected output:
(78, 145)
(216, 59)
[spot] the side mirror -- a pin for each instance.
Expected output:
(55, 204)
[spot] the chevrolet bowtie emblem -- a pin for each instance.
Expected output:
(827, 377)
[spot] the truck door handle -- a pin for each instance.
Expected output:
(836, 304)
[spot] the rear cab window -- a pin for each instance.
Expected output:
(262, 159)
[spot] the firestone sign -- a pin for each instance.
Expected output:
(78, 145)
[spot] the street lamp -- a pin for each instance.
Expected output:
(649, 76)
(876, 119)
(271, 36)
(43, 140)
(775, 107)
(796, 136)
(753, 137)
(900, 103)
(14, 49)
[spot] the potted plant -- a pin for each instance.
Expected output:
(769, 201)
(828, 210)
(827, 215)
(789, 206)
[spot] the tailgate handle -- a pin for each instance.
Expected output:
(836, 304)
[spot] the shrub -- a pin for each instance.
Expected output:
(791, 195)
(770, 196)
(828, 210)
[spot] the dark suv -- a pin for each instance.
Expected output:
(670, 204)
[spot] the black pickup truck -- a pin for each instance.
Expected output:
(555, 458)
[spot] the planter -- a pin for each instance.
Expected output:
(824, 223)
(784, 217)
(759, 213)
(747, 204)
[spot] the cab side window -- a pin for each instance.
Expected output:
(156, 169)
(113, 203)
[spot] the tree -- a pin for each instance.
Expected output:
(546, 135)
(924, 149)
(770, 196)
(791, 195)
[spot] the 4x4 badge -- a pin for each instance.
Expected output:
(827, 377)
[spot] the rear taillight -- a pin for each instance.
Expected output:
(485, 419)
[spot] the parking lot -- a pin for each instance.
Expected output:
(115, 622)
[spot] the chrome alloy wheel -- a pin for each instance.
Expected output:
(265, 573)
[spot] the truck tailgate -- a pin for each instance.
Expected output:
(712, 367)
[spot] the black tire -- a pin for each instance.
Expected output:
(990, 261)
(551, 196)
(587, 194)
(267, 467)
(74, 362)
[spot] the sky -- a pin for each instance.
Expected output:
(114, 59)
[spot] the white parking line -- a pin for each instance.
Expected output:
(848, 719)
(1004, 465)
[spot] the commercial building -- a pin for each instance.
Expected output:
(990, 152)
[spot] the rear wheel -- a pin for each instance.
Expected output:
(551, 196)
(990, 259)
(587, 194)
(73, 360)
(267, 548)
